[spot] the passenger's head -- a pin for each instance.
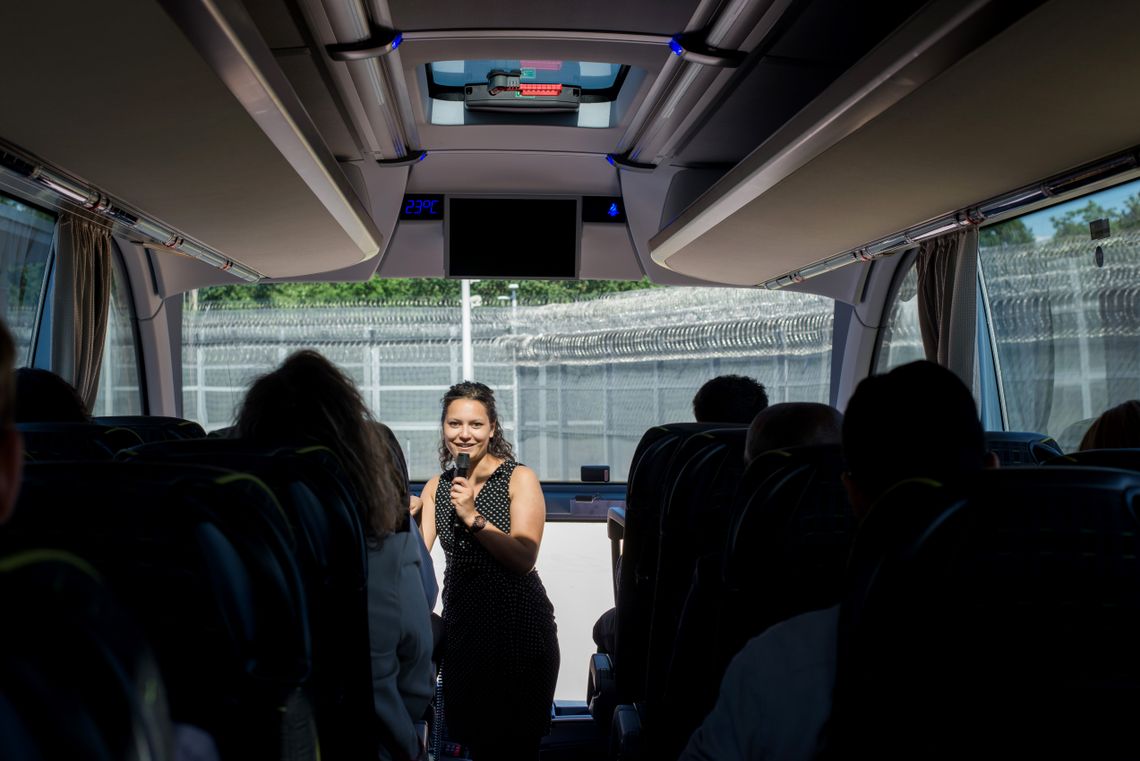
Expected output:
(1117, 428)
(729, 399)
(308, 397)
(917, 421)
(11, 446)
(399, 463)
(44, 397)
(792, 424)
(470, 424)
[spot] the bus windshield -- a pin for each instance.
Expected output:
(580, 369)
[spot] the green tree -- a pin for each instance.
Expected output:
(411, 290)
(1129, 218)
(1012, 233)
(1075, 222)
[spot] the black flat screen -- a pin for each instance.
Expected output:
(512, 237)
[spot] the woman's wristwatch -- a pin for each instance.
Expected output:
(478, 524)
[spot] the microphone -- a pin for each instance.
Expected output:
(462, 465)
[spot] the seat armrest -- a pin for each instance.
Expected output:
(601, 690)
(625, 734)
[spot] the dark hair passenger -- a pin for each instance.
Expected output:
(1116, 428)
(729, 399)
(488, 511)
(309, 397)
(44, 397)
(918, 420)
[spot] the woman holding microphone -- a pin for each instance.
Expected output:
(501, 660)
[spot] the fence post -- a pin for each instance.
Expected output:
(374, 378)
(200, 379)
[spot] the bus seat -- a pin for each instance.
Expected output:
(646, 494)
(1127, 459)
(52, 442)
(78, 679)
(154, 427)
(312, 488)
(785, 551)
(1000, 618)
(201, 557)
(705, 474)
(1021, 447)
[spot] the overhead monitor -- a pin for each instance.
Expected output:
(512, 237)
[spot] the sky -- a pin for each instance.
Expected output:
(1111, 198)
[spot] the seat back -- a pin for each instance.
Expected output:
(1127, 459)
(202, 558)
(53, 442)
(1002, 614)
(788, 542)
(703, 476)
(1021, 447)
(79, 680)
(784, 550)
(312, 488)
(636, 582)
(154, 427)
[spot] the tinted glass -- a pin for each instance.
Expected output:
(25, 251)
(120, 390)
(579, 370)
(1066, 321)
(900, 340)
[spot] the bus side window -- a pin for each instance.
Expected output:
(120, 387)
(1065, 320)
(900, 339)
(26, 234)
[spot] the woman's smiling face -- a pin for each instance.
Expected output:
(467, 429)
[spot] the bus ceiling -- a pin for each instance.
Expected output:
(754, 142)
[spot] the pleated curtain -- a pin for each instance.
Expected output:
(87, 247)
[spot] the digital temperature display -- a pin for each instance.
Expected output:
(422, 207)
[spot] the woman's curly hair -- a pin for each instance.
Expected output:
(309, 397)
(476, 392)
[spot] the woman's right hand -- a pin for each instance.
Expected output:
(463, 497)
(415, 505)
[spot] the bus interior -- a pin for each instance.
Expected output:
(594, 208)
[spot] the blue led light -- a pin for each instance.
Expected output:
(398, 39)
(610, 158)
(423, 156)
(675, 46)
(613, 210)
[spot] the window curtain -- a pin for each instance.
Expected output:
(86, 247)
(947, 273)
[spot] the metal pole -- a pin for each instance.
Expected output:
(468, 357)
(515, 365)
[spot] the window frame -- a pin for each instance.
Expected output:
(907, 262)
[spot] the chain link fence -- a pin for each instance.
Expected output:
(576, 383)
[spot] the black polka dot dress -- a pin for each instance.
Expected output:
(501, 659)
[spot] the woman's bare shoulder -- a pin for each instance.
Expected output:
(525, 477)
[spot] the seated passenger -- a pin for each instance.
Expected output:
(918, 420)
(792, 424)
(729, 399)
(308, 396)
(1117, 428)
(44, 397)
